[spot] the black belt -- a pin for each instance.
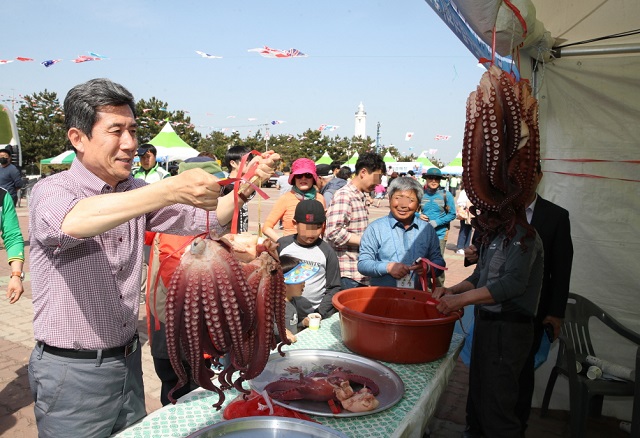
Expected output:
(485, 315)
(124, 351)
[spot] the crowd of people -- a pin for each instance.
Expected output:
(104, 221)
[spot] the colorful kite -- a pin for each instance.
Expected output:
(408, 136)
(324, 127)
(206, 55)
(277, 122)
(268, 52)
(85, 58)
(95, 55)
(5, 61)
(50, 62)
(442, 137)
(23, 59)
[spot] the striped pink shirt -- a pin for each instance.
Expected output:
(86, 291)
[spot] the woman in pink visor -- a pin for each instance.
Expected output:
(303, 179)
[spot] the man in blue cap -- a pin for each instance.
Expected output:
(438, 208)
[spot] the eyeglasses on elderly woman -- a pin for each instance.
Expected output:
(304, 175)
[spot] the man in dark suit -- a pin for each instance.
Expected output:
(552, 224)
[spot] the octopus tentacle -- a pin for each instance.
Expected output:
(500, 152)
(173, 309)
(219, 305)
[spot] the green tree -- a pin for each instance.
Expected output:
(215, 143)
(152, 116)
(40, 122)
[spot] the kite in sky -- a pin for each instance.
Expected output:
(442, 137)
(408, 136)
(85, 58)
(277, 122)
(206, 55)
(50, 62)
(268, 52)
(5, 61)
(23, 59)
(327, 127)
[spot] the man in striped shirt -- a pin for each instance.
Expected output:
(86, 230)
(348, 217)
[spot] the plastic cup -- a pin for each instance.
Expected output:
(314, 322)
(594, 372)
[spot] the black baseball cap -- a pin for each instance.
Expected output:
(324, 170)
(147, 147)
(310, 211)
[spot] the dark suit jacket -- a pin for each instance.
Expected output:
(552, 224)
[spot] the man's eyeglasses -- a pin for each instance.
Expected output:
(304, 175)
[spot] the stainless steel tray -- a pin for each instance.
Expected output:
(391, 386)
(260, 427)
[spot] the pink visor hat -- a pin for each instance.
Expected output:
(301, 166)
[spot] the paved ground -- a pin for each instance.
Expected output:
(16, 342)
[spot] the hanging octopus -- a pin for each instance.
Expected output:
(225, 297)
(500, 150)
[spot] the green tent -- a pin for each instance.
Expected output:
(424, 161)
(353, 159)
(388, 158)
(170, 146)
(325, 159)
(64, 158)
(454, 167)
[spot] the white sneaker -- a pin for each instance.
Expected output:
(460, 251)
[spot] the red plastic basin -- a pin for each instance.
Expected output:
(394, 325)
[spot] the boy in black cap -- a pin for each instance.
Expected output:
(308, 247)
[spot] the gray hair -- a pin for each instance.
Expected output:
(85, 100)
(404, 183)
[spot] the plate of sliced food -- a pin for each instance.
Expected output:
(329, 383)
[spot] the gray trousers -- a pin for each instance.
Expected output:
(86, 397)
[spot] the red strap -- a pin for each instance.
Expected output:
(423, 278)
(518, 15)
(244, 178)
(335, 409)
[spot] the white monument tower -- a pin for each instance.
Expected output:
(361, 122)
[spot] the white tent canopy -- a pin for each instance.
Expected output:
(589, 106)
(170, 146)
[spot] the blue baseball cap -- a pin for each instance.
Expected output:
(301, 273)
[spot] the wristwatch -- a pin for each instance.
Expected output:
(18, 274)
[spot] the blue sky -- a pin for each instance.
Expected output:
(396, 57)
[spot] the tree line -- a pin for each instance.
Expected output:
(40, 122)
